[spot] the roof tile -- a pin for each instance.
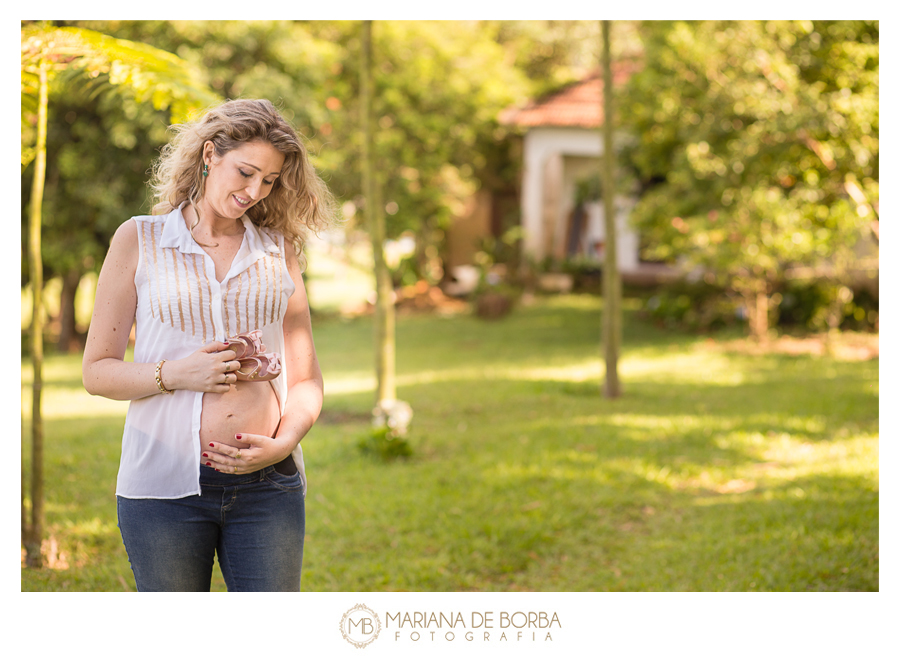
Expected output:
(579, 105)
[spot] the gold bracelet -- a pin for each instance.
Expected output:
(159, 383)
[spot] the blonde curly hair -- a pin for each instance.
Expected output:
(299, 199)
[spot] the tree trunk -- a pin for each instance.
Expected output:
(35, 533)
(384, 305)
(426, 245)
(23, 486)
(843, 295)
(612, 285)
(762, 316)
(757, 303)
(68, 332)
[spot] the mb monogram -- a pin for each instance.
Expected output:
(360, 626)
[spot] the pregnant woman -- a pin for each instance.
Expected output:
(224, 382)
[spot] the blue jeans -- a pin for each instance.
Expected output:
(254, 522)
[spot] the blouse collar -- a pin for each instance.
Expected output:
(256, 244)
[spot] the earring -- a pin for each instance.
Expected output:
(205, 170)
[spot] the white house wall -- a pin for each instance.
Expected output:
(552, 166)
(627, 240)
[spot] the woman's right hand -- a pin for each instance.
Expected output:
(211, 369)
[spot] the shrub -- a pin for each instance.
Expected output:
(696, 306)
(807, 304)
(387, 438)
(380, 442)
(796, 304)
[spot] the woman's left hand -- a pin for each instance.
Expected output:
(260, 451)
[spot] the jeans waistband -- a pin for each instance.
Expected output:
(210, 477)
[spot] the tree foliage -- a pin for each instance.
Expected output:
(278, 60)
(438, 88)
(151, 75)
(757, 143)
(114, 139)
(554, 53)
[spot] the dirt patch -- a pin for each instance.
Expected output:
(422, 297)
(53, 557)
(847, 346)
(419, 298)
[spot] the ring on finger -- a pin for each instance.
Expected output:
(238, 456)
(234, 469)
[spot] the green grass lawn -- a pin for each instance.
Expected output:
(715, 471)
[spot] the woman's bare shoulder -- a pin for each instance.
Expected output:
(124, 246)
(128, 230)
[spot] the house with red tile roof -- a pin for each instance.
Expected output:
(562, 147)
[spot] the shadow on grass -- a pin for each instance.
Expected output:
(548, 514)
(543, 484)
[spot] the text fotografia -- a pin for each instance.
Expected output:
(479, 626)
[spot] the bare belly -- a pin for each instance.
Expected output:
(249, 407)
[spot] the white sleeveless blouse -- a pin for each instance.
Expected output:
(181, 307)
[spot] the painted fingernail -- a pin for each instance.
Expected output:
(211, 445)
(237, 436)
(205, 455)
(210, 464)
